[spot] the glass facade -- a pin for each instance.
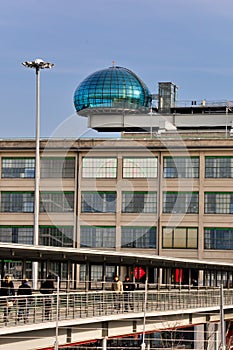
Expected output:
(138, 237)
(218, 202)
(98, 202)
(56, 236)
(99, 167)
(139, 202)
(218, 167)
(17, 202)
(115, 87)
(56, 202)
(180, 202)
(218, 238)
(181, 167)
(141, 167)
(55, 167)
(17, 234)
(179, 237)
(18, 167)
(98, 236)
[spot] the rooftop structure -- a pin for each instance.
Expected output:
(116, 99)
(112, 90)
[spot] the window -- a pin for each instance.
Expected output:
(180, 237)
(98, 236)
(96, 273)
(18, 167)
(218, 238)
(99, 167)
(181, 167)
(139, 202)
(53, 236)
(218, 167)
(56, 167)
(57, 202)
(98, 202)
(218, 202)
(17, 202)
(142, 167)
(180, 202)
(17, 234)
(138, 237)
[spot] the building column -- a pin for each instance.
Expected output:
(87, 277)
(104, 343)
(201, 278)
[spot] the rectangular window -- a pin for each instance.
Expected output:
(17, 234)
(57, 202)
(181, 167)
(98, 236)
(98, 202)
(17, 202)
(139, 202)
(99, 167)
(219, 167)
(218, 202)
(138, 237)
(17, 167)
(180, 237)
(141, 167)
(56, 236)
(218, 238)
(180, 202)
(57, 167)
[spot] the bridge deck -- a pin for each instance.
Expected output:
(87, 306)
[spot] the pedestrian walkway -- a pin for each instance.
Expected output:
(84, 305)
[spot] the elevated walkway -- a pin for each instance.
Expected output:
(84, 316)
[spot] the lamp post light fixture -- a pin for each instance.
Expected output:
(38, 64)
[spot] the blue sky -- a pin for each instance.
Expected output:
(189, 42)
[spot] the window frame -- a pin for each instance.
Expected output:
(173, 237)
(217, 170)
(185, 205)
(50, 167)
(23, 171)
(108, 171)
(132, 239)
(134, 170)
(144, 205)
(98, 202)
(96, 238)
(188, 171)
(218, 243)
(214, 203)
(64, 201)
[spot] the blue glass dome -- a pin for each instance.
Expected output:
(110, 90)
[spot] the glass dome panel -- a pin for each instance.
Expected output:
(115, 87)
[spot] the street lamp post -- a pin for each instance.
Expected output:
(38, 64)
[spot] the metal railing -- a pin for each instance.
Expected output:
(81, 305)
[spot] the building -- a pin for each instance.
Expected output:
(163, 185)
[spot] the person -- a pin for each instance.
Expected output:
(24, 303)
(194, 282)
(128, 288)
(117, 287)
(7, 290)
(47, 288)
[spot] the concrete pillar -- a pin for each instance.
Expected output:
(201, 278)
(87, 277)
(104, 343)
(68, 275)
(199, 339)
